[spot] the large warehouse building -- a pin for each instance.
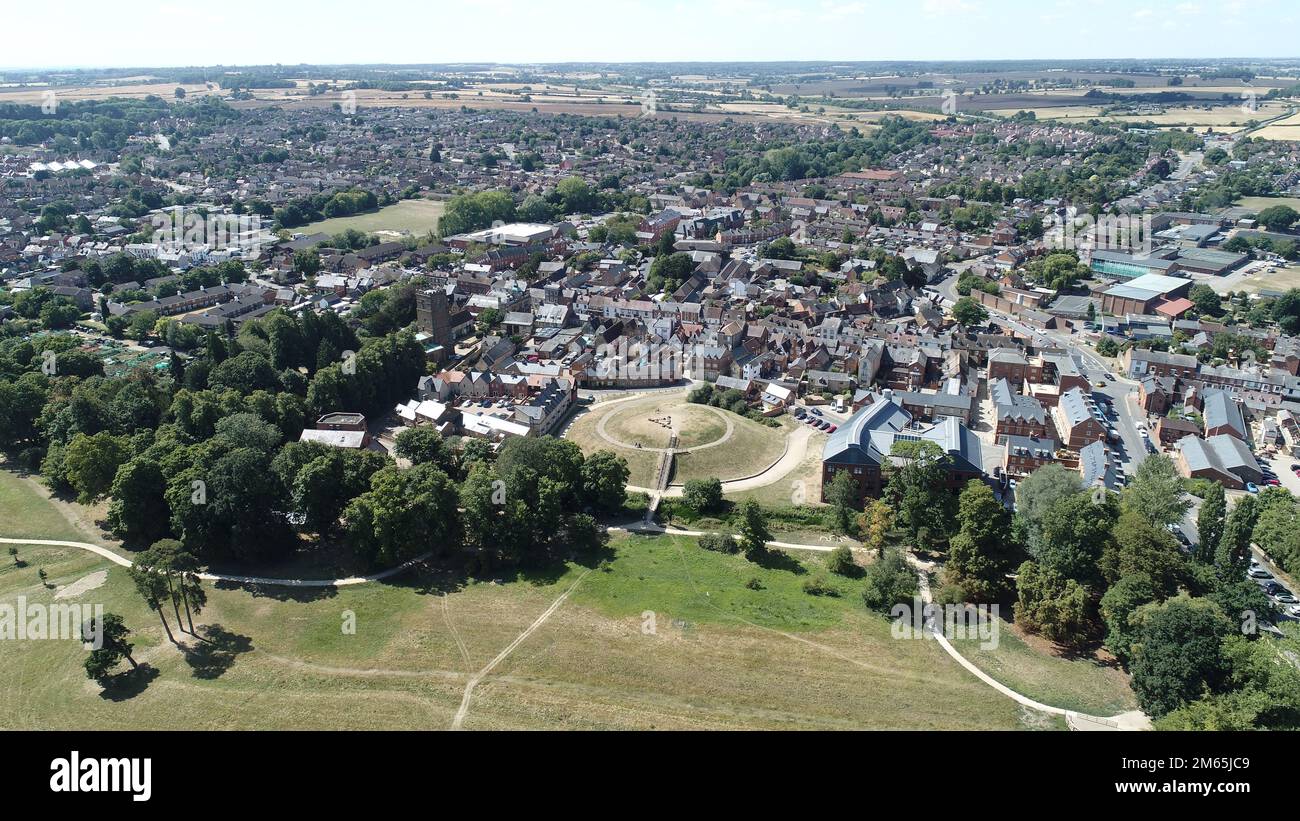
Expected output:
(1143, 294)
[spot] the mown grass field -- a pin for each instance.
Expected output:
(1260, 203)
(751, 448)
(417, 217)
(803, 485)
(693, 424)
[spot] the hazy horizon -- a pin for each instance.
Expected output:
(514, 32)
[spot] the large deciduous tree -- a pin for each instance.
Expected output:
(917, 492)
(1054, 605)
(1157, 493)
(983, 552)
(404, 514)
(1232, 556)
(1210, 521)
(1177, 655)
(604, 480)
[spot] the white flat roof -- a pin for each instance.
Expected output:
(335, 438)
(1155, 283)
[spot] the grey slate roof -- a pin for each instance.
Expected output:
(1010, 405)
(1221, 409)
(869, 435)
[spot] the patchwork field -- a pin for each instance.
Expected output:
(35, 95)
(1227, 118)
(663, 635)
(1287, 128)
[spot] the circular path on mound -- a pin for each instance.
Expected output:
(602, 428)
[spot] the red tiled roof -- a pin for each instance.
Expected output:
(1174, 307)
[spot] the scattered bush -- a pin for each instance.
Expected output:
(819, 585)
(840, 561)
(703, 495)
(719, 542)
(889, 581)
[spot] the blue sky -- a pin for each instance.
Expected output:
(235, 32)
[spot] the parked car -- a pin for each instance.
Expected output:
(1251, 487)
(832, 429)
(1259, 573)
(1286, 598)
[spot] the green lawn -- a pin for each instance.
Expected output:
(751, 448)
(417, 217)
(662, 635)
(26, 511)
(1260, 203)
(1082, 684)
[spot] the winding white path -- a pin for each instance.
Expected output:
(1133, 720)
(613, 440)
(121, 561)
(796, 450)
